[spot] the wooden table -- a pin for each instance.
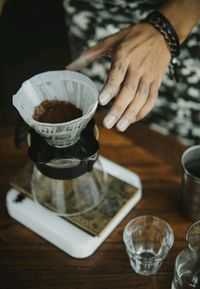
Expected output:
(27, 261)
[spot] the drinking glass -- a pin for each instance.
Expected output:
(187, 265)
(148, 240)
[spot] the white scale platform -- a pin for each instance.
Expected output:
(64, 235)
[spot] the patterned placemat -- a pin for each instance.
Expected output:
(96, 220)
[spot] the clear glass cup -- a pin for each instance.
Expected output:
(148, 240)
(187, 265)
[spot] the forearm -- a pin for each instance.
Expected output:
(1, 5)
(183, 15)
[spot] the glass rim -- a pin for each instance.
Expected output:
(188, 150)
(188, 234)
(156, 218)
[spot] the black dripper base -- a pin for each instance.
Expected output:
(57, 163)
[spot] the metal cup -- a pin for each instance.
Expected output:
(191, 183)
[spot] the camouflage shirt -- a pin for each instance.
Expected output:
(178, 108)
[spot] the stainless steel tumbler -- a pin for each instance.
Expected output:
(191, 183)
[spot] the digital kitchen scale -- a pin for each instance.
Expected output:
(63, 234)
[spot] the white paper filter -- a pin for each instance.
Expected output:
(72, 87)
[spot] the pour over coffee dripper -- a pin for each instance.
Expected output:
(64, 154)
(72, 87)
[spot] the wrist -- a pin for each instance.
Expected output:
(183, 15)
(181, 30)
(165, 28)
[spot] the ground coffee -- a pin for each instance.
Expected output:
(56, 111)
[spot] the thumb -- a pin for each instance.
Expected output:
(102, 48)
(91, 54)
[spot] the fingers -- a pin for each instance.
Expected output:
(130, 115)
(138, 109)
(134, 102)
(150, 103)
(115, 77)
(123, 99)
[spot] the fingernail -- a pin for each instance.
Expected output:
(109, 121)
(123, 124)
(105, 97)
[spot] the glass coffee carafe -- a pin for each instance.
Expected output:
(69, 197)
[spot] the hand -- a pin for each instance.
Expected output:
(139, 60)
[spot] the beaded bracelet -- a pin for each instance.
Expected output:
(162, 24)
